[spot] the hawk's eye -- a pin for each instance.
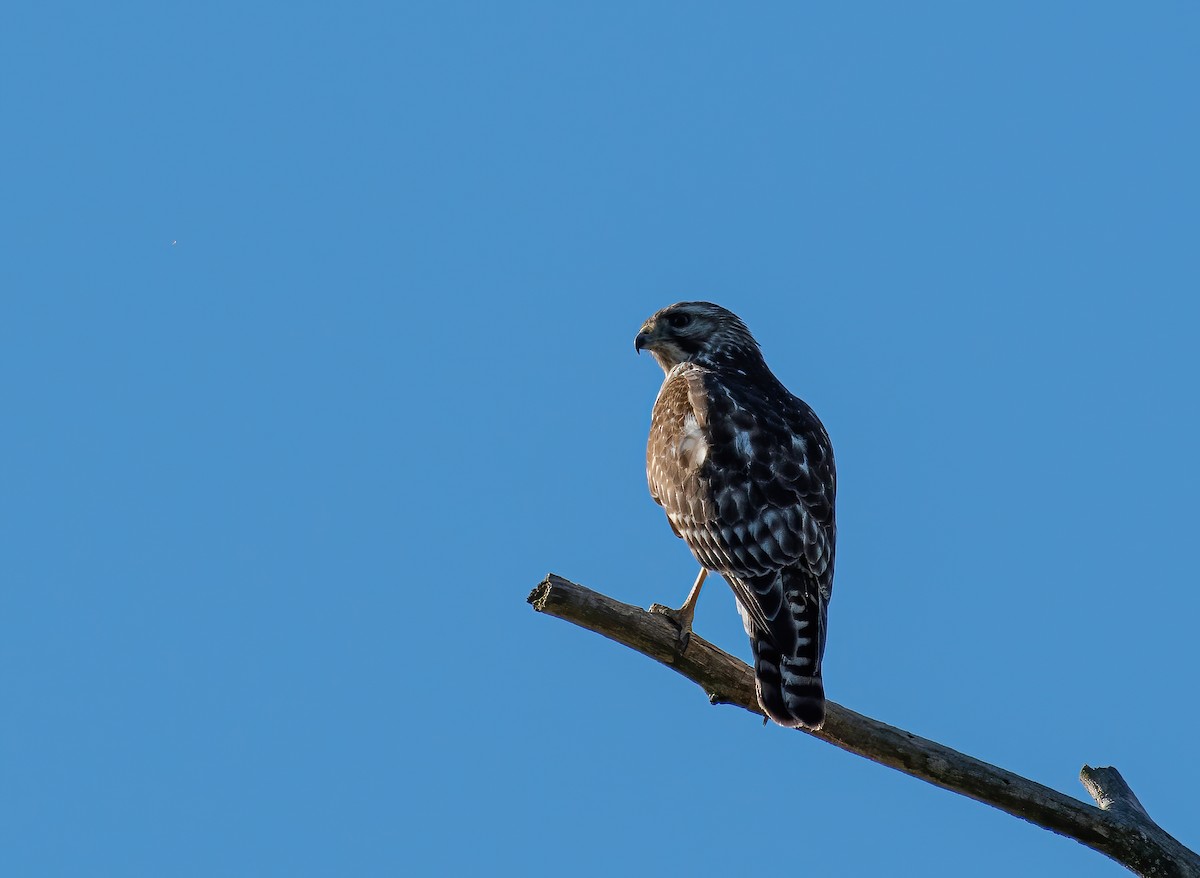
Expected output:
(679, 321)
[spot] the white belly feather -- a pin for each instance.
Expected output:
(692, 447)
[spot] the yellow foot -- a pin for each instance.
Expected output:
(682, 620)
(684, 615)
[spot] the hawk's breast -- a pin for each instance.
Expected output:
(679, 454)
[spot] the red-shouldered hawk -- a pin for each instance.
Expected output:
(745, 473)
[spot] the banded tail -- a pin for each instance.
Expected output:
(788, 649)
(790, 694)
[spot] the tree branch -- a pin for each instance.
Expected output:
(1119, 828)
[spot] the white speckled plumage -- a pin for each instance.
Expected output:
(745, 473)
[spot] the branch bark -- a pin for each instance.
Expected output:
(1117, 826)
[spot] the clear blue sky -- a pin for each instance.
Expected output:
(317, 353)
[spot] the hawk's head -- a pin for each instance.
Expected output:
(689, 332)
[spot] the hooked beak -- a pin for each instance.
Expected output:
(642, 340)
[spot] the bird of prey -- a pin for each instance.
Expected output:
(744, 471)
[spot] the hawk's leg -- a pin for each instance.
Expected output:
(684, 615)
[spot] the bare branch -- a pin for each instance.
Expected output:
(1110, 791)
(1119, 828)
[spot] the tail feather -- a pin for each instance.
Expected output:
(788, 692)
(787, 656)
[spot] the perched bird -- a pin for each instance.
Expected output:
(744, 471)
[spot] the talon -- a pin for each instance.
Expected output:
(684, 615)
(680, 620)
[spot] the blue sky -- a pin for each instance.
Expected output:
(317, 354)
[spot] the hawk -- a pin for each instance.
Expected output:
(744, 471)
